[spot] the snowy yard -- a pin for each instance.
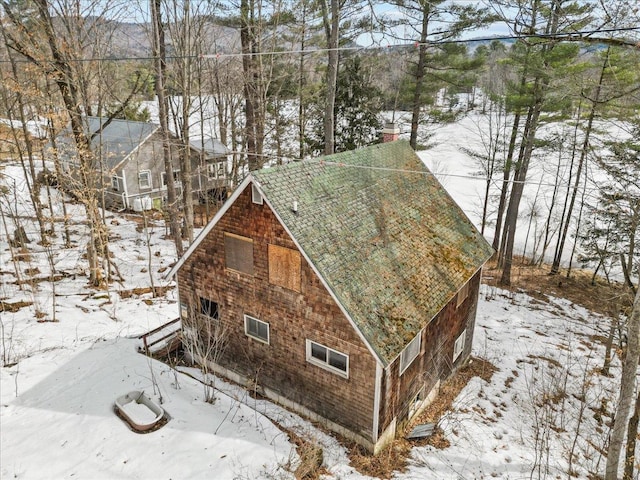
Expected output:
(544, 414)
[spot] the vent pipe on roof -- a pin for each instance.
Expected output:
(294, 207)
(390, 132)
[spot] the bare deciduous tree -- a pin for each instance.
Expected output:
(627, 391)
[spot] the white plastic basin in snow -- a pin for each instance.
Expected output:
(139, 411)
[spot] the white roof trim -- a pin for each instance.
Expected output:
(205, 231)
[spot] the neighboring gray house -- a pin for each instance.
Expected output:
(129, 154)
(212, 175)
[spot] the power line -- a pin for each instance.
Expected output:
(573, 36)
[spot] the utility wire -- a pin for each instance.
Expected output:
(577, 35)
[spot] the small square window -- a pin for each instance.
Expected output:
(328, 358)
(209, 308)
(458, 347)
(256, 329)
(144, 179)
(410, 353)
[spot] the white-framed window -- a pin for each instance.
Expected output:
(176, 178)
(256, 196)
(144, 179)
(114, 183)
(463, 293)
(256, 329)
(458, 347)
(410, 352)
(328, 358)
(215, 170)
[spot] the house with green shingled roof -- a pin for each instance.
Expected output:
(343, 287)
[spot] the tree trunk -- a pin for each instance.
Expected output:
(163, 114)
(555, 267)
(301, 84)
(87, 193)
(252, 116)
(332, 34)
(552, 205)
(627, 387)
(506, 174)
(185, 157)
(420, 73)
(632, 433)
(517, 190)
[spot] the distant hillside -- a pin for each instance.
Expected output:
(133, 40)
(472, 44)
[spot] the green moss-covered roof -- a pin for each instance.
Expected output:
(382, 232)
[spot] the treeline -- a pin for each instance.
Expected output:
(291, 79)
(288, 80)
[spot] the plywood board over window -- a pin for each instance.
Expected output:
(238, 253)
(284, 267)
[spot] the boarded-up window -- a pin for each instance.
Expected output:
(284, 267)
(238, 253)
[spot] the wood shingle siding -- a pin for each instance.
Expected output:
(344, 264)
(293, 317)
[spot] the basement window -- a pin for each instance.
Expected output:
(256, 196)
(410, 353)
(328, 358)
(458, 347)
(256, 329)
(238, 253)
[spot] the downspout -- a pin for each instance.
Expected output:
(376, 402)
(125, 193)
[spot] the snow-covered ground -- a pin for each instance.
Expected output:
(545, 405)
